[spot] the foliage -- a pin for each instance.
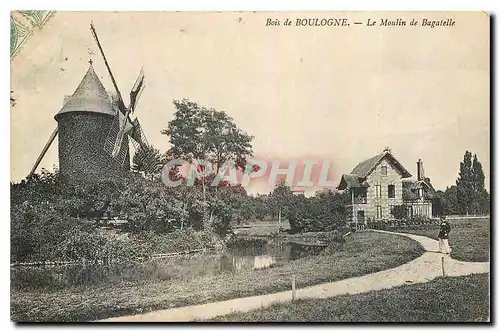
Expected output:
(450, 201)
(198, 132)
(148, 160)
(325, 211)
(471, 195)
(398, 212)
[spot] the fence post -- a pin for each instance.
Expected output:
(293, 287)
(442, 266)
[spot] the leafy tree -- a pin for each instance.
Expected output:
(197, 132)
(471, 195)
(465, 184)
(326, 211)
(438, 203)
(480, 194)
(450, 201)
(281, 200)
(200, 133)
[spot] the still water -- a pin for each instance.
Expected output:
(263, 256)
(236, 259)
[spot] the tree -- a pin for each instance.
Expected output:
(197, 132)
(450, 201)
(465, 184)
(480, 194)
(281, 200)
(148, 160)
(471, 195)
(326, 211)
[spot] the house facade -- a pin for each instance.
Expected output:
(380, 183)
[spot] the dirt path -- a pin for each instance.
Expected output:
(422, 269)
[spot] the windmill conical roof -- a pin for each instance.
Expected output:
(90, 96)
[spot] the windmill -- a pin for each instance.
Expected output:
(94, 131)
(123, 127)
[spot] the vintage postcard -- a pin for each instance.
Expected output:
(250, 167)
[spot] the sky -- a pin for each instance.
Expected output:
(340, 94)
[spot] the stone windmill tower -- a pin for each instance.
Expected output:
(95, 129)
(84, 122)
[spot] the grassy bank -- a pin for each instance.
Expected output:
(469, 239)
(454, 299)
(362, 253)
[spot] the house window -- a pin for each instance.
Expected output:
(379, 212)
(378, 191)
(384, 170)
(391, 191)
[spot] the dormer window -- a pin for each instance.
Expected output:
(384, 170)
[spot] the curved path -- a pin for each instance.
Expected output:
(420, 270)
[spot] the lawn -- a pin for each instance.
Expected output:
(469, 239)
(362, 253)
(453, 299)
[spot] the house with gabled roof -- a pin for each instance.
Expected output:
(380, 183)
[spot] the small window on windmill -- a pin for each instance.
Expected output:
(384, 170)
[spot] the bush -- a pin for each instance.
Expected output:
(177, 241)
(326, 211)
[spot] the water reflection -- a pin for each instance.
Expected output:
(261, 257)
(244, 257)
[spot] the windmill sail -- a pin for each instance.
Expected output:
(122, 127)
(137, 133)
(136, 91)
(114, 141)
(122, 124)
(121, 105)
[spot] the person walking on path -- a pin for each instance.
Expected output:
(444, 232)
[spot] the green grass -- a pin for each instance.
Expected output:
(454, 299)
(469, 239)
(363, 253)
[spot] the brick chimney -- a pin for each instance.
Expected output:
(420, 170)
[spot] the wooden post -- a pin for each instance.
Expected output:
(442, 266)
(293, 287)
(44, 151)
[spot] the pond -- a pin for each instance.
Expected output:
(244, 256)
(264, 256)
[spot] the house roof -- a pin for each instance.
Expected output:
(89, 96)
(356, 178)
(410, 189)
(351, 181)
(364, 168)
